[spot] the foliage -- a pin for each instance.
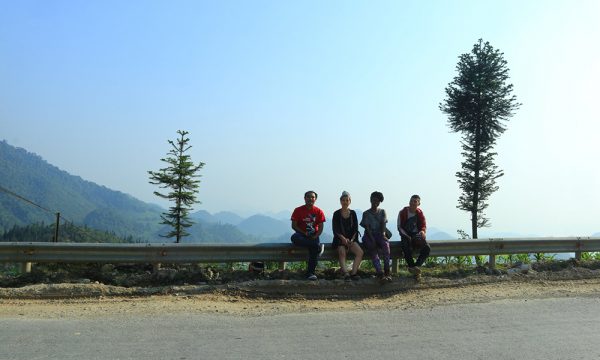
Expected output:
(464, 235)
(68, 232)
(296, 265)
(478, 102)
(539, 257)
(510, 259)
(462, 260)
(587, 256)
(180, 180)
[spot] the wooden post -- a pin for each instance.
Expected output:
(25, 267)
(56, 227)
(492, 261)
(281, 265)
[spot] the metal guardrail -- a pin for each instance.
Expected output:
(37, 252)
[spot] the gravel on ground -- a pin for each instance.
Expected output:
(272, 297)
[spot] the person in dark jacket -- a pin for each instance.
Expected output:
(412, 227)
(345, 237)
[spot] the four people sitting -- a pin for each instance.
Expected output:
(307, 223)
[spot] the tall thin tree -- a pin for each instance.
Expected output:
(180, 178)
(478, 103)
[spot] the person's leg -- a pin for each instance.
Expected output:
(407, 251)
(372, 251)
(358, 255)
(384, 245)
(313, 246)
(423, 255)
(342, 258)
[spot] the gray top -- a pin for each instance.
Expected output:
(375, 221)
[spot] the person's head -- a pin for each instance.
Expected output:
(310, 197)
(376, 199)
(414, 202)
(345, 199)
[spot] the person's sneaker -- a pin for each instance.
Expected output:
(312, 277)
(347, 278)
(322, 249)
(387, 278)
(355, 277)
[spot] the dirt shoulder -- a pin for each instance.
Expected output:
(271, 297)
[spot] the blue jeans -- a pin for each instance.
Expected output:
(313, 246)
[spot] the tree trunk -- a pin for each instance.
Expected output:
(474, 224)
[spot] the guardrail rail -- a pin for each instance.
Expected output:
(156, 253)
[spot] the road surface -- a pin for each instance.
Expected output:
(546, 328)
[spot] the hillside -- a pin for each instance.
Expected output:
(82, 202)
(78, 200)
(261, 225)
(85, 203)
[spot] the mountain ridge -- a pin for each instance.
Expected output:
(34, 188)
(88, 204)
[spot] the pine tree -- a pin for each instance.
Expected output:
(478, 103)
(180, 177)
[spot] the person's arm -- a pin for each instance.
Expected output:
(422, 223)
(401, 218)
(354, 229)
(319, 232)
(365, 225)
(337, 228)
(319, 223)
(383, 222)
(297, 228)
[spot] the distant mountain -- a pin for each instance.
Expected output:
(439, 235)
(280, 215)
(223, 217)
(85, 203)
(265, 226)
(228, 217)
(203, 216)
(32, 191)
(54, 190)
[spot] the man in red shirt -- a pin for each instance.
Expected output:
(307, 222)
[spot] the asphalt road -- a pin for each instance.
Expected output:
(563, 328)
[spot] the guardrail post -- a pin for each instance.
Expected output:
(578, 251)
(394, 266)
(492, 261)
(25, 267)
(282, 265)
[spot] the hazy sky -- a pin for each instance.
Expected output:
(280, 97)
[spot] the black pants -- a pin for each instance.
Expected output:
(313, 246)
(407, 250)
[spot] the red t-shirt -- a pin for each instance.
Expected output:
(308, 219)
